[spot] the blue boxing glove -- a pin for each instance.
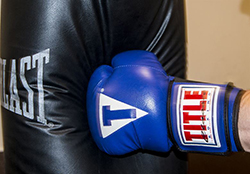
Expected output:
(135, 105)
(127, 104)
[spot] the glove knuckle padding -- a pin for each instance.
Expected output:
(100, 75)
(136, 58)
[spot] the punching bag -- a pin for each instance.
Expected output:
(49, 49)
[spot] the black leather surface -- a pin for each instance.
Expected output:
(78, 35)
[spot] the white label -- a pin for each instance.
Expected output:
(197, 115)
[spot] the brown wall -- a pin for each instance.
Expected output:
(218, 41)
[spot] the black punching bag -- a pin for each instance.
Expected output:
(49, 49)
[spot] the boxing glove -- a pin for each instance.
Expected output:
(135, 105)
(127, 104)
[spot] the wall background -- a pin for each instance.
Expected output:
(218, 41)
(218, 50)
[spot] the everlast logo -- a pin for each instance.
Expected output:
(197, 117)
(13, 72)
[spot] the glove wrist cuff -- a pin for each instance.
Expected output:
(233, 115)
(203, 117)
